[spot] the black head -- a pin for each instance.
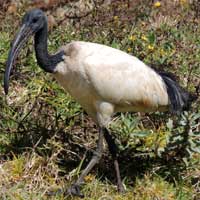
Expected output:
(32, 22)
(34, 19)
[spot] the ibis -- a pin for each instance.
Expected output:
(103, 80)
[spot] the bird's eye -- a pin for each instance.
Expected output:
(35, 20)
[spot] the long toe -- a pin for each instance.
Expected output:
(75, 190)
(54, 193)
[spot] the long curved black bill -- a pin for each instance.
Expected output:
(21, 38)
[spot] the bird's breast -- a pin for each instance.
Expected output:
(75, 82)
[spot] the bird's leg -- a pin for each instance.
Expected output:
(75, 188)
(113, 150)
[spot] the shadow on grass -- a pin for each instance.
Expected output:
(133, 164)
(133, 167)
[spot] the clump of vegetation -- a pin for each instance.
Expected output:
(45, 136)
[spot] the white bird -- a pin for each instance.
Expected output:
(102, 79)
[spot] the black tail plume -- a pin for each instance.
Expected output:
(180, 99)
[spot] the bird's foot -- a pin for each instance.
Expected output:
(54, 193)
(75, 190)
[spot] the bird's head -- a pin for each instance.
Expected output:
(32, 22)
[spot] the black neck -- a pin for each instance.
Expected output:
(44, 60)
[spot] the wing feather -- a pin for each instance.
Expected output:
(123, 79)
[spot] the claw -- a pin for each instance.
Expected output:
(75, 190)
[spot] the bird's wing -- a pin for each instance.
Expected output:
(122, 79)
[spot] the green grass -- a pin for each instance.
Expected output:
(46, 138)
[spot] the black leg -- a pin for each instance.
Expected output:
(113, 150)
(75, 188)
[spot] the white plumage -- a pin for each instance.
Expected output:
(105, 80)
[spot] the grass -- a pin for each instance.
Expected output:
(46, 138)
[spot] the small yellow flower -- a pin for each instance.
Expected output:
(89, 178)
(144, 38)
(115, 18)
(162, 52)
(129, 49)
(132, 38)
(157, 4)
(183, 2)
(150, 47)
